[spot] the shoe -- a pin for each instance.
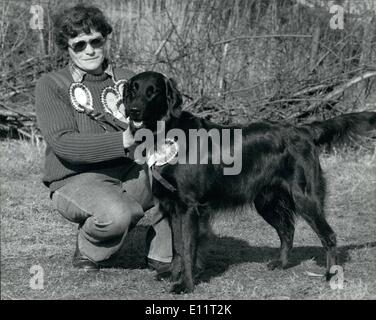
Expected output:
(83, 263)
(160, 267)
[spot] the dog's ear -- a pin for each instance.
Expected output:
(126, 92)
(174, 98)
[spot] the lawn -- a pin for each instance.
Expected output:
(34, 234)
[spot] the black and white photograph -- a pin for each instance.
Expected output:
(188, 150)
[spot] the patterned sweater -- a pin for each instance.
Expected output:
(75, 142)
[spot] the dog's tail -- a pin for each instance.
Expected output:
(339, 128)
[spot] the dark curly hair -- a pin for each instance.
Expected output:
(76, 20)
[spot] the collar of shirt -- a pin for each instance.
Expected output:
(79, 74)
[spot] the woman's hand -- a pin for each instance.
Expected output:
(128, 138)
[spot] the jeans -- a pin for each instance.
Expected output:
(107, 204)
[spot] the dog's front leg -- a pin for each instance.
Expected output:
(185, 244)
(202, 242)
(177, 244)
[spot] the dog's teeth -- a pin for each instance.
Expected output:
(138, 124)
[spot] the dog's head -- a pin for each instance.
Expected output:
(149, 97)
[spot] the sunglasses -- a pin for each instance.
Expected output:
(81, 45)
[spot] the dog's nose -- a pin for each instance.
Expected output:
(135, 112)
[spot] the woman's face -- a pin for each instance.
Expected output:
(87, 51)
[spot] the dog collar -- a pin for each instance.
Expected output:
(164, 155)
(161, 180)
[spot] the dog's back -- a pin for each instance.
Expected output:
(270, 155)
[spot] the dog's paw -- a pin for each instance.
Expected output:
(328, 276)
(180, 288)
(274, 264)
(279, 265)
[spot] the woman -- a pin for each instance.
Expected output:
(92, 180)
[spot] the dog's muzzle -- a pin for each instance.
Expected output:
(135, 118)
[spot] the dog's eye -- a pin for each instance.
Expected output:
(131, 89)
(150, 91)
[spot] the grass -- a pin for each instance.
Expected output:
(33, 233)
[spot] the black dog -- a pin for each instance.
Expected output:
(281, 175)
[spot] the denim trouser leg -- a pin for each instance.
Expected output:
(106, 207)
(159, 246)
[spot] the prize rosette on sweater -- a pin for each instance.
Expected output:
(81, 98)
(112, 103)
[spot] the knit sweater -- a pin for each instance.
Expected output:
(75, 142)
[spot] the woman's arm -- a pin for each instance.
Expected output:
(58, 126)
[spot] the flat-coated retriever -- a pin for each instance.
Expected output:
(281, 174)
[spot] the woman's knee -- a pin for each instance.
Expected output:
(69, 208)
(114, 222)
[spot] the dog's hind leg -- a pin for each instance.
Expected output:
(311, 210)
(277, 208)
